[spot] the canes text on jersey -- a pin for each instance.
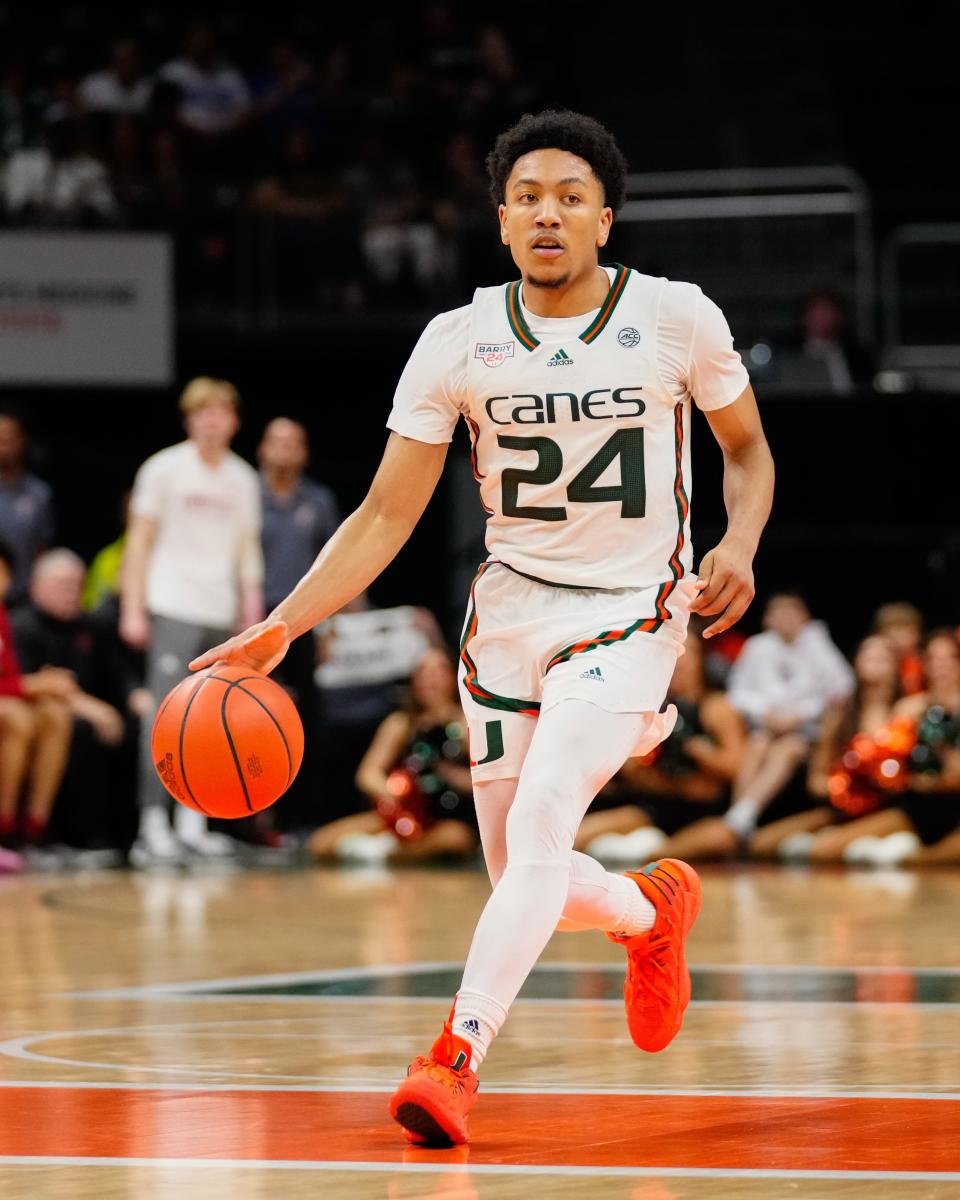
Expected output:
(598, 404)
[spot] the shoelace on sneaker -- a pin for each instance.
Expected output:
(654, 973)
(448, 1076)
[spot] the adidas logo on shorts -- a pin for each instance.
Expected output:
(593, 673)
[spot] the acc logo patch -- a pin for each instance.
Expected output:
(628, 336)
(494, 354)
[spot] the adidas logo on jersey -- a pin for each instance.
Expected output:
(593, 673)
(560, 359)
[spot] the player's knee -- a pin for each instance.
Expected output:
(540, 829)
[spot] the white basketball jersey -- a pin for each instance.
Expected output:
(580, 431)
(581, 453)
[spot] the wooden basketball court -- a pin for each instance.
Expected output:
(238, 1034)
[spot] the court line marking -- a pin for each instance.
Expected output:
(393, 970)
(54, 1160)
(18, 1048)
(494, 1088)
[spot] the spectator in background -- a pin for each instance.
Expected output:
(61, 182)
(122, 88)
(52, 632)
(902, 625)
(26, 505)
(416, 776)
(314, 233)
(827, 340)
(782, 683)
(285, 93)
(192, 572)
(850, 725)
(364, 655)
(214, 99)
(299, 517)
(922, 825)
(686, 779)
(35, 727)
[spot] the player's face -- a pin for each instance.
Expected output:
(554, 217)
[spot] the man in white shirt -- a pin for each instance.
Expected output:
(192, 572)
(121, 88)
(214, 97)
(575, 382)
(782, 682)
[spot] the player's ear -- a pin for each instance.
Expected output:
(603, 228)
(504, 234)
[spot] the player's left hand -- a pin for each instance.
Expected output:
(726, 585)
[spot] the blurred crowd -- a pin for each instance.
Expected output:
(782, 749)
(309, 150)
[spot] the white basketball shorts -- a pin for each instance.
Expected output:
(527, 645)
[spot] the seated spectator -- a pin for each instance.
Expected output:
(122, 88)
(53, 632)
(902, 625)
(843, 780)
(685, 779)
(827, 341)
(26, 505)
(924, 825)
(35, 726)
(285, 93)
(61, 182)
(782, 682)
(416, 774)
(364, 656)
(214, 98)
(315, 234)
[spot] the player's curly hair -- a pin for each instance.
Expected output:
(560, 129)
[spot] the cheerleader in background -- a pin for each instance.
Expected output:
(417, 776)
(844, 779)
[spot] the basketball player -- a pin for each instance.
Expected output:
(575, 383)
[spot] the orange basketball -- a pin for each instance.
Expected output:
(227, 742)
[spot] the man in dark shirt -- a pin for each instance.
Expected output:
(299, 516)
(26, 505)
(53, 631)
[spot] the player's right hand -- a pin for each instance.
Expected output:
(135, 628)
(260, 647)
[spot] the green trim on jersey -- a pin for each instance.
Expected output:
(515, 317)
(525, 335)
(606, 310)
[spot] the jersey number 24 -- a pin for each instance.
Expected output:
(631, 491)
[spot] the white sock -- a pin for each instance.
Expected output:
(742, 816)
(601, 899)
(638, 913)
(477, 1019)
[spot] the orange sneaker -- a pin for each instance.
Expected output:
(433, 1102)
(657, 988)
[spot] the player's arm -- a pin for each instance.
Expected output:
(137, 547)
(367, 541)
(727, 571)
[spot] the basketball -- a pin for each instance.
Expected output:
(227, 742)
